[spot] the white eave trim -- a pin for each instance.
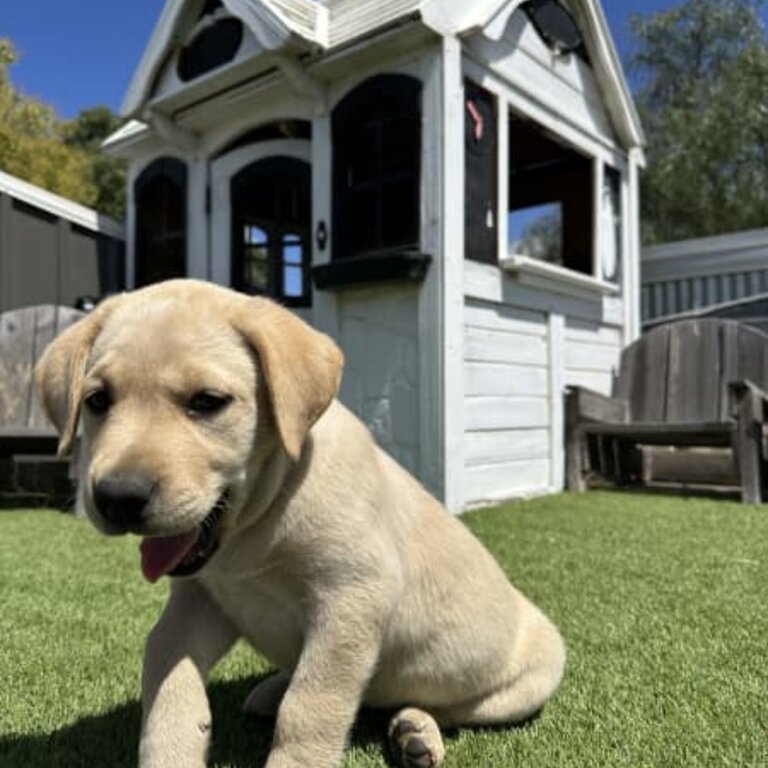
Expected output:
(59, 206)
(269, 26)
(555, 279)
(130, 133)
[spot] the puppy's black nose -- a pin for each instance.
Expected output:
(122, 497)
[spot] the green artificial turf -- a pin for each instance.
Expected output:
(662, 602)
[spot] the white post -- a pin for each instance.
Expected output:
(633, 223)
(452, 273)
(324, 303)
(556, 362)
(197, 219)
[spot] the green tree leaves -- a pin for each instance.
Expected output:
(62, 157)
(701, 71)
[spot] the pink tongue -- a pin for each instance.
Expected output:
(160, 555)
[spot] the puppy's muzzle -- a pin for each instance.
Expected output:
(122, 498)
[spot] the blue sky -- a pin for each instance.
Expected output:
(80, 53)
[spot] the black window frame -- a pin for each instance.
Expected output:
(365, 142)
(280, 231)
(172, 174)
(544, 170)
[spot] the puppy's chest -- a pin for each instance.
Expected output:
(267, 611)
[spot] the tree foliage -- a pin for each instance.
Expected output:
(701, 70)
(61, 157)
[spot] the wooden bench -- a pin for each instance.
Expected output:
(24, 429)
(696, 383)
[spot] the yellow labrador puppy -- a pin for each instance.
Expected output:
(211, 430)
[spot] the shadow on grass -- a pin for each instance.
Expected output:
(111, 740)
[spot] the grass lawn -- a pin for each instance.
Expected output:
(662, 602)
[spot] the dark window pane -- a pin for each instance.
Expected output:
(551, 198)
(377, 166)
(400, 207)
(160, 196)
(271, 223)
(213, 47)
(480, 175)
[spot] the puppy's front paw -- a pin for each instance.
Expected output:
(415, 740)
(264, 700)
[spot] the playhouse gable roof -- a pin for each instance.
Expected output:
(309, 26)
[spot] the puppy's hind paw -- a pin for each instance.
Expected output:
(415, 740)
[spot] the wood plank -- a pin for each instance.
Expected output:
(482, 345)
(504, 380)
(504, 481)
(592, 333)
(664, 433)
(505, 445)
(503, 317)
(642, 379)
(588, 406)
(17, 333)
(481, 413)
(698, 466)
(24, 335)
(586, 356)
(693, 372)
(598, 381)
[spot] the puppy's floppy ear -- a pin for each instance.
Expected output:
(301, 365)
(60, 372)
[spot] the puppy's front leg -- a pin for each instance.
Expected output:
(321, 702)
(190, 636)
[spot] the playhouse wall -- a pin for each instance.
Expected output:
(381, 373)
(522, 348)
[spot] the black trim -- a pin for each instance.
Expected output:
(378, 268)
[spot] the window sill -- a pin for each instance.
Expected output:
(555, 279)
(365, 270)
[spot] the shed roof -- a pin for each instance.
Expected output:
(59, 206)
(324, 26)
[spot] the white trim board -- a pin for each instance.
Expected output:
(59, 206)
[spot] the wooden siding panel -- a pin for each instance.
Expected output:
(585, 356)
(502, 481)
(502, 317)
(79, 267)
(504, 380)
(594, 333)
(33, 246)
(481, 345)
(505, 413)
(599, 381)
(503, 446)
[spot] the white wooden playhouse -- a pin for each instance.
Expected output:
(449, 188)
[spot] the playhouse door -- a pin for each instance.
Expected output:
(262, 221)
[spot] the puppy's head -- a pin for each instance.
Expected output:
(183, 389)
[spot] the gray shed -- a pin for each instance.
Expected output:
(54, 251)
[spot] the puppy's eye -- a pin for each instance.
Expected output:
(98, 402)
(207, 403)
